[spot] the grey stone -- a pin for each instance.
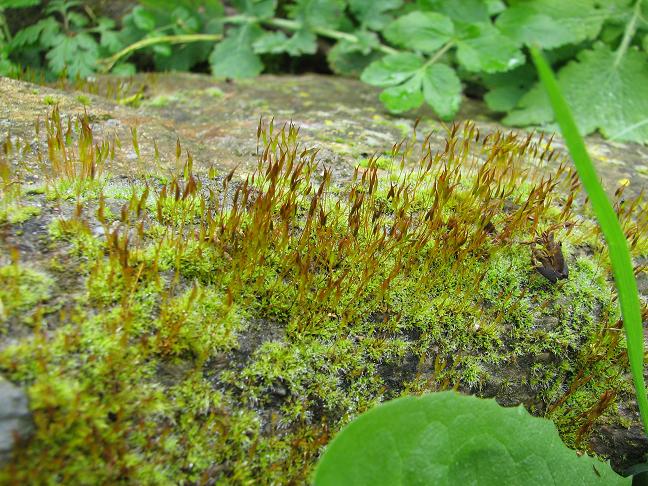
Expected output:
(15, 418)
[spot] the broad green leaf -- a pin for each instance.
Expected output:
(234, 57)
(448, 439)
(403, 97)
(645, 43)
(529, 27)
(495, 6)
(463, 10)
(143, 19)
(506, 89)
(366, 42)
(318, 13)
(349, 62)
(392, 69)
(421, 31)
(481, 47)
(552, 23)
(604, 96)
(372, 13)
(256, 8)
(442, 90)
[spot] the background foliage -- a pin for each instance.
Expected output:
(420, 52)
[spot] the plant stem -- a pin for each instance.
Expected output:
(628, 34)
(291, 25)
(171, 39)
(439, 53)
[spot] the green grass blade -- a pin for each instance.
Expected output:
(616, 241)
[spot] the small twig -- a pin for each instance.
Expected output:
(109, 62)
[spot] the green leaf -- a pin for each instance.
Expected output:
(234, 57)
(349, 62)
(318, 13)
(301, 42)
(77, 55)
(44, 29)
(506, 89)
(442, 90)
(372, 13)
(604, 96)
(19, 3)
(366, 42)
(422, 31)
(552, 23)
(645, 43)
(529, 27)
(143, 19)
(449, 439)
(256, 8)
(403, 97)
(392, 69)
(481, 47)
(464, 11)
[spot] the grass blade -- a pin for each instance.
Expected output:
(616, 241)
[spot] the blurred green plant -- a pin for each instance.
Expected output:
(67, 40)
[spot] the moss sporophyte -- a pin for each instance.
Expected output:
(191, 327)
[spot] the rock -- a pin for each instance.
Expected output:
(15, 418)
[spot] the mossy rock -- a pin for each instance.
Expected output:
(190, 323)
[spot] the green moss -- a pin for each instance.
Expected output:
(21, 289)
(18, 213)
(224, 331)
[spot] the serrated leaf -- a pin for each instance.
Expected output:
(464, 11)
(318, 13)
(403, 97)
(552, 23)
(392, 69)
(349, 62)
(483, 48)
(77, 55)
(604, 96)
(366, 42)
(301, 42)
(45, 28)
(446, 438)
(256, 8)
(442, 90)
(234, 57)
(421, 31)
(372, 13)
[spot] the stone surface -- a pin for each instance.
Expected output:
(15, 422)
(216, 121)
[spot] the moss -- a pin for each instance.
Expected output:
(223, 330)
(18, 213)
(21, 289)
